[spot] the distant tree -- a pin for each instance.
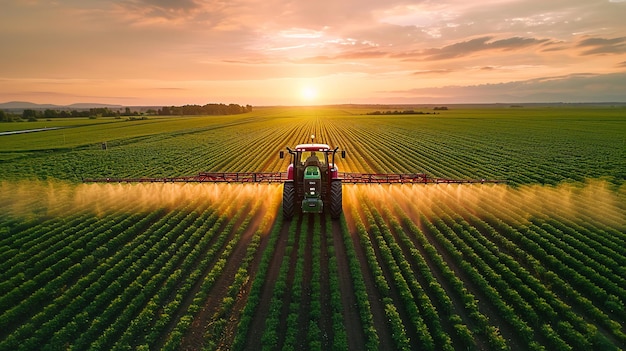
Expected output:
(26, 114)
(397, 112)
(48, 113)
(102, 112)
(77, 113)
(208, 109)
(164, 111)
(30, 115)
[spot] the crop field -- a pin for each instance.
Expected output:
(538, 263)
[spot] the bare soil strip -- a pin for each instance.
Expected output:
(194, 338)
(284, 313)
(352, 320)
(13, 132)
(326, 323)
(305, 302)
(258, 324)
(375, 299)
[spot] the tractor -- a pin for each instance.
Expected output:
(313, 184)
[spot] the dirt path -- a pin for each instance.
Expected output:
(258, 323)
(352, 320)
(194, 338)
(305, 303)
(284, 313)
(326, 323)
(13, 132)
(376, 304)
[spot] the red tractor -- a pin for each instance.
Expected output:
(313, 183)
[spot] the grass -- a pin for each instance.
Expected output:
(81, 132)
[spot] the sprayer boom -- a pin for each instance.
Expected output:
(202, 177)
(274, 177)
(392, 178)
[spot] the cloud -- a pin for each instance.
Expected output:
(473, 46)
(165, 4)
(362, 55)
(577, 87)
(157, 12)
(600, 46)
(515, 43)
(362, 46)
(432, 71)
(459, 49)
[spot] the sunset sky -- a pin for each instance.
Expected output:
(299, 52)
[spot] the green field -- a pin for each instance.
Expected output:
(537, 263)
(529, 145)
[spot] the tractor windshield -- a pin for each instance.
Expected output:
(312, 155)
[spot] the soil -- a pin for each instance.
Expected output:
(194, 339)
(351, 316)
(375, 299)
(352, 319)
(485, 307)
(258, 324)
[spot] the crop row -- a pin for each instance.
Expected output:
(429, 273)
(501, 144)
(125, 275)
(254, 296)
(215, 271)
(540, 299)
(427, 267)
(389, 263)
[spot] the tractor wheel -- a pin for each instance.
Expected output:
(289, 200)
(335, 199)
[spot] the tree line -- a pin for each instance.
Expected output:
(208, 109)
(186, 110)
(33, 115)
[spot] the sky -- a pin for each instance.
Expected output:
(303, 52)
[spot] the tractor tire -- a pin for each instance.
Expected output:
(289, 200)
(335, 199)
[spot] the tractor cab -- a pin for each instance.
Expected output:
(305, 155)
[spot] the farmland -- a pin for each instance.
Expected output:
(537, 264)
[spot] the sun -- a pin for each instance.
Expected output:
(308, 93)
